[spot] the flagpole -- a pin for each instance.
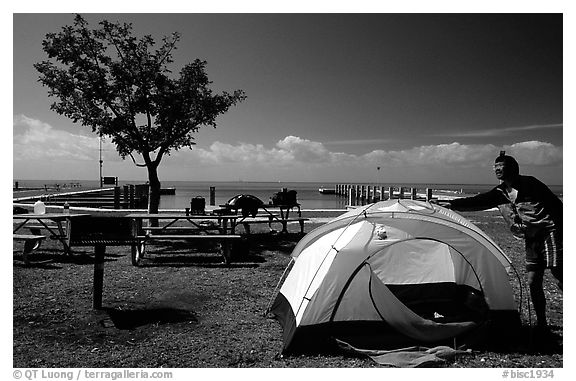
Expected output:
(100, 149)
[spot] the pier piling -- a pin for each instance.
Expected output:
(116, 197)
(352, 197)
(358, 194)
(212, 196)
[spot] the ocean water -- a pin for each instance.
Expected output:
(307, 193)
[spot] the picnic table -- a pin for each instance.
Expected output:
(216, 228)
(270, 214)
(57, 225)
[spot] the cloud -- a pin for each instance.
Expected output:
(304, 150)
(359, 141)
(222, 153)
(36, 140)
(493, 132)
(287, 152)
(442, 155)
(536, 153)
(295, 151)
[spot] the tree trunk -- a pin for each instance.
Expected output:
(153, 192)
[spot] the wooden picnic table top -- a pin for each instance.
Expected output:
(263, 206)
(170, 216)
(48, 216)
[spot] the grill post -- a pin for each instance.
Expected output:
(99, 251)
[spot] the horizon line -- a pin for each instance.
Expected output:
(51, 181)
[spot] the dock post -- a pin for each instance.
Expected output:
(369, 195)
(131, 191)
(378, 196)
(428, 194)
(390, 193)
(352, 196)
(414, 193)
(126, 195)
(212, 196)
(401, 193)
(116, 197)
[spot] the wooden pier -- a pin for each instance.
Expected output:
(366, 194)
(125, 197)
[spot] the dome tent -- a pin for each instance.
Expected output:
(392, 274)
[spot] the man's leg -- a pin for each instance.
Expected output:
(557, 273)
(535, 280)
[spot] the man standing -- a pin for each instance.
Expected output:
(533, 213)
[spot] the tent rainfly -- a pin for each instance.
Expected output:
(393, 274)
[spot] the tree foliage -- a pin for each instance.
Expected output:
(121, 87)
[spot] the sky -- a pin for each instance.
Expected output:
(331, 97)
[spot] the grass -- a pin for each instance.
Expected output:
(186, 309)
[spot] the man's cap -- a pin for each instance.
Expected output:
(509, 161)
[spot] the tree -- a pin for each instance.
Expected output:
(112, 81)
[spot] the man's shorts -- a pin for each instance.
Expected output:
(544, 251)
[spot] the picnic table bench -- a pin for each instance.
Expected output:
(56, 225)
(199, 228)
(269, 216)
(31, 242)
(37, 229)
(247, 221)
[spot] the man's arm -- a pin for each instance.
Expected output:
(482, 201)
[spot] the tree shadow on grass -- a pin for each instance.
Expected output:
(283, 243)
(212, 260)
(203, 254)
(134, 318)
(49, 259)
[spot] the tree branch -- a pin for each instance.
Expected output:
(171, 47)
(134, 161)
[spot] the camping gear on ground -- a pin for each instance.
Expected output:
(246, 202)
(411, 357)
(285, 198)
(394, 274)
(197, 205)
